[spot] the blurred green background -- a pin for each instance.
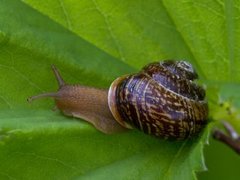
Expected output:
(222, 162)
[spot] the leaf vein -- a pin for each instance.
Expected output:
(66, 15)
(174, 159)
(194, 60)
(110, 30)
(230, 37)
(48, 158)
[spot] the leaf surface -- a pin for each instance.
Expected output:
(92, 43)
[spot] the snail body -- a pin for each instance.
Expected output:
(161, 100)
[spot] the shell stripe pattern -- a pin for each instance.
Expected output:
(155, 102)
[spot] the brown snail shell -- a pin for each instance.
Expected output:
(161, 100)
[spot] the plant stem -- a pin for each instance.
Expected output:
(232, 139)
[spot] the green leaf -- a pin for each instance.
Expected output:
(48, 146)
(92, 43)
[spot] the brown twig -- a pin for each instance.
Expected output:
(232, 139)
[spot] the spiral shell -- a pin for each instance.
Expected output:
(161, 100)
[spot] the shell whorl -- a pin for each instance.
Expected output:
(161, 100)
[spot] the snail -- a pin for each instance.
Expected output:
(162, 100)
